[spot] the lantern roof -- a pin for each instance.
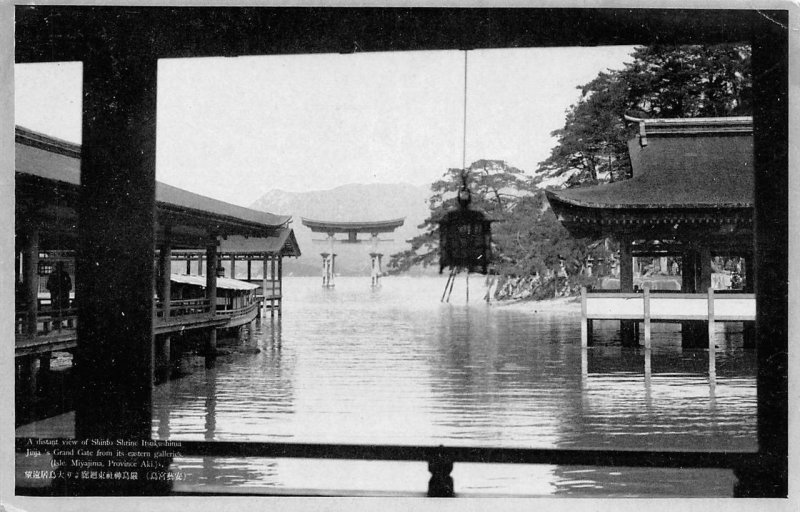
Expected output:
(466, 213)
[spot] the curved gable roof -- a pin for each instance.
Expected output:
(679, 163)
(57, 160)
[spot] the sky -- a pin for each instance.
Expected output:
(235, 128)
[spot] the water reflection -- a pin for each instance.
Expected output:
(395, 366)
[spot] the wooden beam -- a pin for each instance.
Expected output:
(230, 31)
(115, 255)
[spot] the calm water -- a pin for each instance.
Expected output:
(395, 366)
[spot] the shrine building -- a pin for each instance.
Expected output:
(690, 198)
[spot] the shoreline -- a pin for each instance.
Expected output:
(558, 304)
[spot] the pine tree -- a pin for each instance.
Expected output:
(660, 82)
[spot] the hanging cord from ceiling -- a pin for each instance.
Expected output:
(464, 127)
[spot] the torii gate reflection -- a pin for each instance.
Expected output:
(352, 229)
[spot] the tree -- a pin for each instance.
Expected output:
(496, 189)
(661, 81)
(527, 238)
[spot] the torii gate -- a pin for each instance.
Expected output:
(352, 229)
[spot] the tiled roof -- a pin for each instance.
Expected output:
(222, 282)
(679, 163)
(56, 160)
(283, 243)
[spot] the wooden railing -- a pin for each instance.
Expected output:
(184, 307)
(236, 312)
(440, 460)
(666, 307)
(47, 321)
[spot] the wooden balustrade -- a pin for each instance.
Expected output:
(661, 306)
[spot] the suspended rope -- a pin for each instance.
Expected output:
(452, 226)
(464, 127)
(464, 154)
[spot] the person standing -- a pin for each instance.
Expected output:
(59, 285)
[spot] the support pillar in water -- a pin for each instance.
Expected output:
(376, 272)
(627, 328)
(211, 296)
(325, 269)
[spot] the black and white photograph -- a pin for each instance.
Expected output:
(274, 252)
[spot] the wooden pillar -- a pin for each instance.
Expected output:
(211, 296)
(163, 348)
(43, 373)
(165, 265)
(694, 333)
(280, 284)
(233, 266)
(646, 298)
(749, 274)
(585, 340)
(29, 366)
(688, 271)
(749, 328)
(770, 70)
(264, 274)
(325, 269)
(627, 328)
(30, 265)
(116, 238)
(704, 276)
(704, 328)
(163, 358)
(249, 269)
(710, 322)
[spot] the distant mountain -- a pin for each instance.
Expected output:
(348, 203)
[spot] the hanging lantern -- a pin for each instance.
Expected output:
(220, 271)
(465, 236)
(45, 265)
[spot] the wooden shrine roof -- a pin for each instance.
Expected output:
(696, 163)
(282, 243)
(381, 226)
(55, 164)
(684, 171)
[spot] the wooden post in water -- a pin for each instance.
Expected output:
(280, 283)
(627, 328)
(164, 350)
(43, 374)
(452, 282)
(646, 296)
(710, 319)
(211, 296)
(264, 276)
(447, 284)
(273, 276)
(584, 320)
